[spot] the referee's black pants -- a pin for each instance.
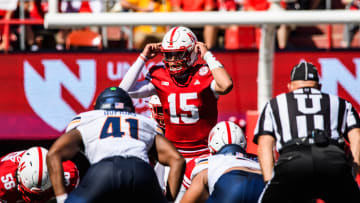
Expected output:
(308, 172)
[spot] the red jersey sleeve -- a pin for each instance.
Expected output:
(190, 165)
(8, 167)
(187, 176)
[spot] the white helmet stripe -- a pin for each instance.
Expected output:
(40, 167)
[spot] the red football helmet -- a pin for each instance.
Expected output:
(157, 110)
(178, 48)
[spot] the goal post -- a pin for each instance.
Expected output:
(57, 20)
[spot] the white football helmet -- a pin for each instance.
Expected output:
(156, 110)
(178, 48)
(32, 174)
(225, 132)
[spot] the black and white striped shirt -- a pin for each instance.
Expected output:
(296, 114)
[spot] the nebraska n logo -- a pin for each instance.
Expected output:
(44, 93)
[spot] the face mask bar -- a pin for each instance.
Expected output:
(174, 56)
(158, 115)
(175, 61)
(34, 195)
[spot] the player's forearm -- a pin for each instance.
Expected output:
(266, 168)
(169, 156)
(223, 81)
(265, 155)
(197, 191)
(176, 173)
(354, 138)
(142, 89)
(56, 173)
(133, 73)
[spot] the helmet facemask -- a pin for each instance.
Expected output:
(158, 114)
(34, 194)
(176, 64)
(157, 110)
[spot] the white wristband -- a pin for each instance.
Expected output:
(61, 198)
(211, 61)
(143, 57)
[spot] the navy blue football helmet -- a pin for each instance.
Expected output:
(231, 149)
(114, 98)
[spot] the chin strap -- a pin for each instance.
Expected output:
(182, 81)
(30, 196)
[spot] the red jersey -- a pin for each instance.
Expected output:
(8, 167)
(8, 186)
(190, 111)
(190, 165)
(71, 175)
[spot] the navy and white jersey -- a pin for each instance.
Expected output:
(218, 164)
(296, 114)
(115, 133)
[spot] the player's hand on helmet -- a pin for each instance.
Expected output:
(151, 50)
(201, 48)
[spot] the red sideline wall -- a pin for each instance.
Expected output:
(41, 92)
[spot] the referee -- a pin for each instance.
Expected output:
(309, 129)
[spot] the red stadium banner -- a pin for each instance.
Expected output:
(42, 92)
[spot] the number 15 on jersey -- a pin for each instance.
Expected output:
(183, 106)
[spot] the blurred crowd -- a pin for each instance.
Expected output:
(135, 37)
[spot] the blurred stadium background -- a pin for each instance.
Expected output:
(57, 55)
